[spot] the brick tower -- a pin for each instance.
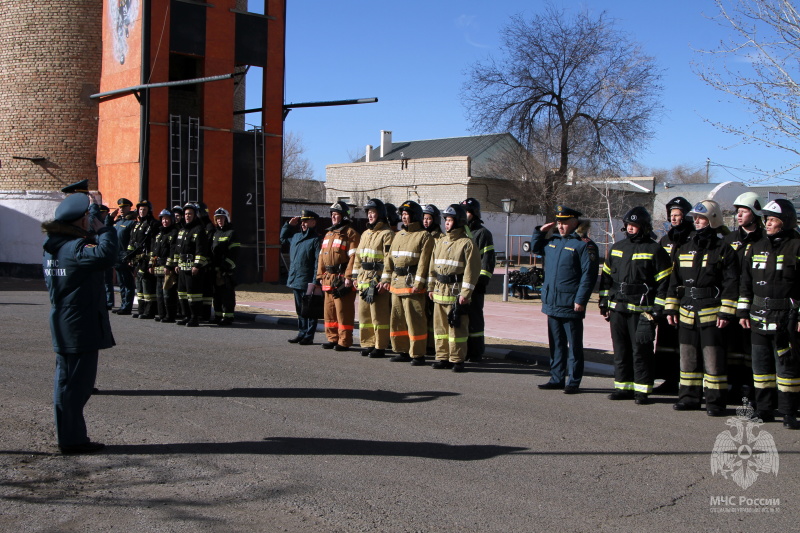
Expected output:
(49, 66)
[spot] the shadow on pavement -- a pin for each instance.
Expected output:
(321, 446)
(331, 394)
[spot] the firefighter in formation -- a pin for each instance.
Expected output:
(178, 260)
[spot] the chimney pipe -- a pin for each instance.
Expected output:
(368, 155)
(386, 142)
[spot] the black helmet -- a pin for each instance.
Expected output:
(341, 208)
(145, 203)
(457, 213)
(679, 202)
(177, 210)
(782, 209)
(413, 209)
(378, 206)
(191, 206)
(638, 215)
(391, 215)
(433, 211)
(473, 206)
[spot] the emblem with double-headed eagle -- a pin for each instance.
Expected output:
(741, 453)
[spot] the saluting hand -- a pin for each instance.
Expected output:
(294, 221)
(547, 227)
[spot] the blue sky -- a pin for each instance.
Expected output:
(413, 56)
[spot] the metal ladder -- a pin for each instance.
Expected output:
(193, 171)
(261, 226)
(175, 162)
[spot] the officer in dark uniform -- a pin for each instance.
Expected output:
(667, 362)
(124, 219)
(74, 264)
(304, 246)
(224, 254)
(633, 288)
(570, 264)
(769, 293)
(139, 249)
(484, 243)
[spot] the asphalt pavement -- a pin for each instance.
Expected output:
(234, 429)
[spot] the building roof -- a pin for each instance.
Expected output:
(476, 147)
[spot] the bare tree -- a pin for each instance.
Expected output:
(757, 66)
(574, 91)
(295, 164)
(675, 175)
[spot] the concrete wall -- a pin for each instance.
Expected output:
(21, 216)
(441, 181)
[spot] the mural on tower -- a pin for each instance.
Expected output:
(121, 15)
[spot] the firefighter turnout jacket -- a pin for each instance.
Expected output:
(337, 255)
(635, 276)
(408, 261)
(370, 255)
(191, 248)
(704, 281)
(769, 290)
(454, 267)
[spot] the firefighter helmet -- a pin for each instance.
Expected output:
(378, 206)
(750, 200)
(708, 209)
(782, 209)
(457, 213)
(413, 209)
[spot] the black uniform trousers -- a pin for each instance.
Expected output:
(776, 378)
(476, 342)
(190, 293)
(667, 360)
(167, 299)
(633, 362)
(224, 297)
(740, 367)
(703, 367)
(146, 292)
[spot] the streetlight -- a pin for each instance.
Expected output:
(508, 208)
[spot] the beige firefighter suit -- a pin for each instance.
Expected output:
(454, 270)
(406, 271)
(373, 318)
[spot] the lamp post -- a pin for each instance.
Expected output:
(508, 208)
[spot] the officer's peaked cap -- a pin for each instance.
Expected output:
(72, 208)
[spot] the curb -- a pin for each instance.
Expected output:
(495, 353)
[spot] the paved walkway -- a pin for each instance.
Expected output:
(504, 320)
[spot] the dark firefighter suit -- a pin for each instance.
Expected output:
(769, 294)
(634, 281)
(703, 287)
(738, 342)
